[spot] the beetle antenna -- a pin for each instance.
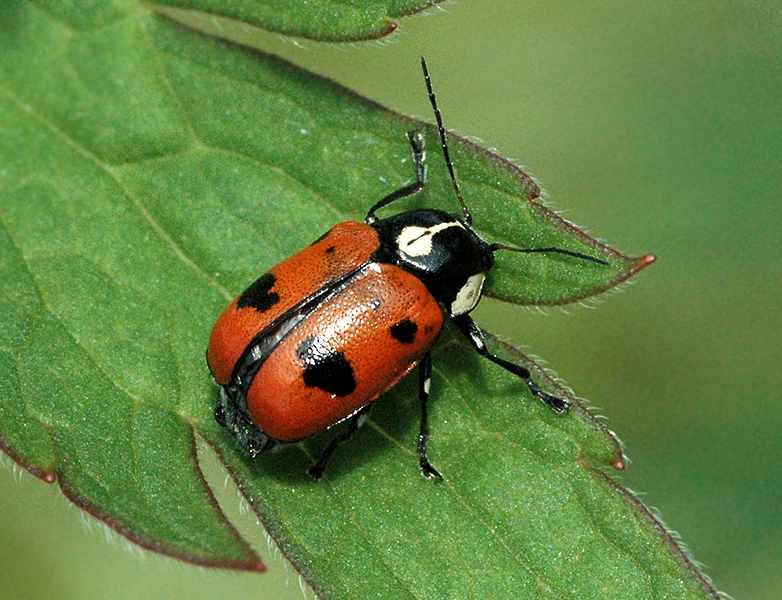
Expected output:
(441, 129)
(495, 247)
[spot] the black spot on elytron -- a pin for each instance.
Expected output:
(404, 331)
(376, 303)
(326, 368)
(330, 249)
(258, 295)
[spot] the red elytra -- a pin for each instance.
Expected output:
(296, 278)
(364, 322)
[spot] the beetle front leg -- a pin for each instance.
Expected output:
(474, 334)
(416, 139)
(424, 383)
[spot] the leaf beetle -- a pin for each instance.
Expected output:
(316, 339)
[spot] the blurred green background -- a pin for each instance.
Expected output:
(658, 127)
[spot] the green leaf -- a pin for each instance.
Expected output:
(147, 175)
(326, 20)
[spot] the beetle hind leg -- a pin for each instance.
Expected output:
(316, 470)
(475, 336)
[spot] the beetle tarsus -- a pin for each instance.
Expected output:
(558, 403)
(428, 470)
(316, 471)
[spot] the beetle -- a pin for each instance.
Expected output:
(315, 340)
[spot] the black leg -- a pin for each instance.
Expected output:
(316, 471)
(474, 334)
(419, 156)
(424, 381)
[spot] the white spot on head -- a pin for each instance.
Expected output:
(417, 241)
(468, 296)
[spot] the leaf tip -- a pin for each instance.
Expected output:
(47, 473)
(646, 260)
(390, 27)
(638, 263)
(256, 566)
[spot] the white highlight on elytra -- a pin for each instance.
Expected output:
(417, 241)
(468, 296)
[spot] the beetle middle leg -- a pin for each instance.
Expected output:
(316, 470)
(475, 336)
(424, 382)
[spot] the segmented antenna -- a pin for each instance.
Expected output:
(497, 246)
(441, 129)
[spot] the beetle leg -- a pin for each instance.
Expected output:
(475, 336)
(424, 382)
(419, 156)
(316, 470)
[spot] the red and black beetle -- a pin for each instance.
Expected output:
(322, 334)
